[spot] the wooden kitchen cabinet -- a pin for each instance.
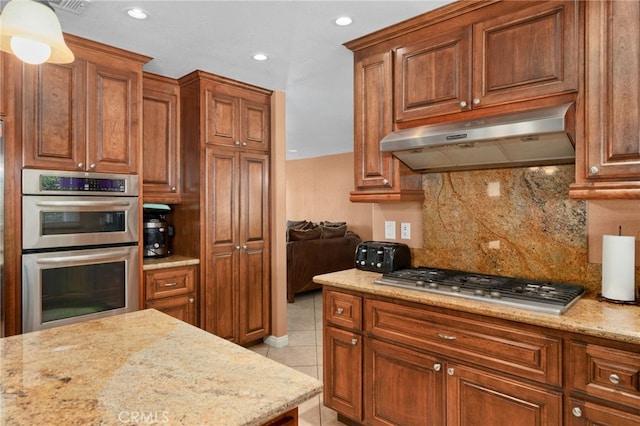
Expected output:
(378, 175)
(510, 53)
(608, 158)
(161, 139)
(584, 413)
(85, 115)
(173, 290)
(238, 117)
(237, 290)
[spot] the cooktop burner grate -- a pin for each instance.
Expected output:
(542, 296)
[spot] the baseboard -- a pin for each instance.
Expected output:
(277, 342)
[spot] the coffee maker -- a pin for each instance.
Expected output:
(156, 230)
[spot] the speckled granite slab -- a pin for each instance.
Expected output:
(587, 316)
(143, 367)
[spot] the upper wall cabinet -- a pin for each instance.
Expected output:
(237, 117)
(85, 115)
(608, 162)
(510, 53)
(161, 140)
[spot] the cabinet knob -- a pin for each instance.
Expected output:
(476, 101)
(451, 371)
(244, 247)
(191, 300)
(437, 367)
(385, 181)
(614, 378)
(81, 166)
(463, 104)
(173, 189)
(237, 143)
(339, 311)
(354, 341)
(593, 170)
(92, 166)
(577, 411)
(244, 144)
(237, 247)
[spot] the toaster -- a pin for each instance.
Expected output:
(381, 256)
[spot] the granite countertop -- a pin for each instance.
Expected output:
(587, 316)
(141, 365)
(170, 261)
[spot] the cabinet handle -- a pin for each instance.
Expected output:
(385, 181)
(81, 166)
(614, 378)
(173, 189)
(244, 246)
(476, 101)
(577, 411)
(445, 336)
(451, 371)
(237, 247)
(244, 144)
(191, 300)
(463, 104)
(354, 341)
(92, 166)
(339, 311)
(237, 143)
(437, 367)
(593, 170)
(170, 284)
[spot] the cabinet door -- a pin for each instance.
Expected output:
(584, 413)
(612, 99)
(114, 115)
(433, 77)
(404, 387)
(222, 248)
(180, 307)
(255, 125)
(526, 54)
(53, 101)
(254, 288)
(478, 398)
(168, 282)
(342, 359)
(160, 147)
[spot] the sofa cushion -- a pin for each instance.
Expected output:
(333, 231)
(334, 224)
(305, 234)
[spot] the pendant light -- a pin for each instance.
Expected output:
(30, 30)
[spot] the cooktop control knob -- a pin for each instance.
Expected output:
(420, 283)
(495, 294)
(479, 292)
(433, 285)
(455, 289)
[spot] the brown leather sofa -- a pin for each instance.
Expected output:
(313, 256)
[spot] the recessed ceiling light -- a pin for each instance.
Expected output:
(343, 21)
(137, 13)
(260, 57)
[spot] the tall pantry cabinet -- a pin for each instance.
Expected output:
(226, 158)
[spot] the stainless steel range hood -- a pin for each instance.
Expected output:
(530, 138)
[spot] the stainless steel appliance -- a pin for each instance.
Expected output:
(80, 254)
(382, 256)
(540, 296)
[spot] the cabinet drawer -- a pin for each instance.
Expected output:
(606, 373)
(504, 348)
(344, 310)
(169, 282)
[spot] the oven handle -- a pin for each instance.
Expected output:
(83, 257)
(82, 203)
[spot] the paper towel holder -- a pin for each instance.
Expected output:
(636, 302)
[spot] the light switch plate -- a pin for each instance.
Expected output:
(390, 229)
(405, 231)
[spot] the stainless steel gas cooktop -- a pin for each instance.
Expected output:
(540, 296)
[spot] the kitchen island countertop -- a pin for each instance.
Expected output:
(145, 367)
(587, 316)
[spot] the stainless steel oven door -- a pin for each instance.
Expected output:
(65, 287)
(68, 221)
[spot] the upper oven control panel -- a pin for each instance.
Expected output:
(54, 182)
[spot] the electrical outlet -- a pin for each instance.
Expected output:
(390, 229)
(405, 231)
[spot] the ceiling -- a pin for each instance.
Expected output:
(307, 60)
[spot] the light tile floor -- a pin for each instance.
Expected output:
(304, 353)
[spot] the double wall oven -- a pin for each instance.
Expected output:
(80, 254)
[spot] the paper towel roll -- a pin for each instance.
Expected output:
(618, 267)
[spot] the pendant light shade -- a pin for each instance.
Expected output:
(31, 31)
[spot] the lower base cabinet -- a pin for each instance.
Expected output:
(389, 362)
(173, 291)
